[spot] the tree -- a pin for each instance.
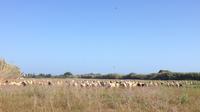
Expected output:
(164, 71)
(68, 74)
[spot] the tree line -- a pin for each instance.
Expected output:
(161, 75)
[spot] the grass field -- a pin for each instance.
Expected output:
(70, 99)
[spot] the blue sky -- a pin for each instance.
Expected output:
(101, 36)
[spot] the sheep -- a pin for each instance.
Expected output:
(49, 83)
(14, 84)
(83, 85)
(123, 85)
(75, 84)
(110, 85)
(23, 83)
(141, 84)
(98, 83)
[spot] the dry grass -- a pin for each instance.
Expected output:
(65, 99)
(8, 71)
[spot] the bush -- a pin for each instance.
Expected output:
(8, 71)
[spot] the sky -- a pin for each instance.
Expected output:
(100, 36)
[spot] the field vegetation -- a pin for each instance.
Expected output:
(50, 94)
(66, 99)
(8, 71)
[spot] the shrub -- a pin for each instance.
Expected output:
(184, 98)
(8, 71)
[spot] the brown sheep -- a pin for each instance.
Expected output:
(23, 83)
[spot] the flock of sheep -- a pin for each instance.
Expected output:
(84, 83)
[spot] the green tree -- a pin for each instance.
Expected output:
(67, 74)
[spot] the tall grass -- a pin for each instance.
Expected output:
(65, 99)
(8, 71)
